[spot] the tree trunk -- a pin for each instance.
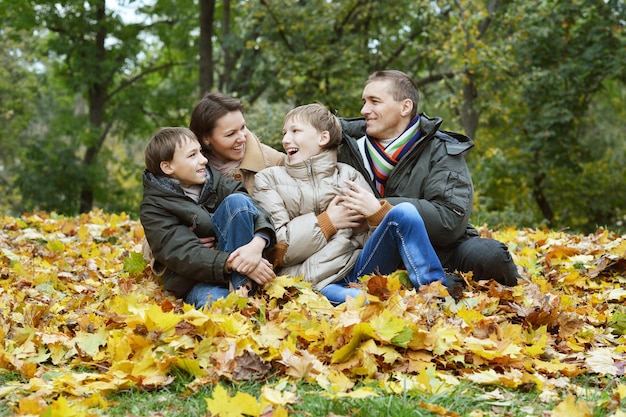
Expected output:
(469, 116)
(207, 12)
(229, 56)
(542, 200)
(97, 102)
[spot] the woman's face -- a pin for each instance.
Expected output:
(228, 140)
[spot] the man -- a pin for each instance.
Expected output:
(408, 159)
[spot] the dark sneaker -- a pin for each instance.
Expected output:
(455, 285)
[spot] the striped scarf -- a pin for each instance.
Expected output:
(383, 160)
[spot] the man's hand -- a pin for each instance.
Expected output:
(342, 216)
(359, 199)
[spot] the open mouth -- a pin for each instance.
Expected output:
(292, 151)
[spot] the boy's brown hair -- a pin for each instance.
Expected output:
(318, 116)
(162, 146)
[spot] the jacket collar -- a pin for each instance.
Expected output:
(253, 159)
(430, 125)
(323, 164)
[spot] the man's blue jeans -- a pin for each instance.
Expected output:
(233, 222)
(400, 239)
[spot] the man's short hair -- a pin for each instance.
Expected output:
(402, 86)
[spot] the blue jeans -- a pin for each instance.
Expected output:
(233, 222)
(400, 239)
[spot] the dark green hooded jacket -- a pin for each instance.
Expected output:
(433, 176)
(173, 222)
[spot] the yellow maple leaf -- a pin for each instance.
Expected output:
(387, 325)
(277, 288)
(540, 342)
(191, 366)
(61, 408)
(555, 367)
(90, 343)
(334, 382)
(301, 365)
(388, 353)
(569, 407)
(359, 332)
(275, 396)
(223, 405)
(442, 338)
(31, 406)
(470, 316)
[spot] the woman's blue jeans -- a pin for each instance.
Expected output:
(233, 222)
(400, 239)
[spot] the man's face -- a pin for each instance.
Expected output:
(385, 117)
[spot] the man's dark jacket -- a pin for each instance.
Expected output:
(433, 176)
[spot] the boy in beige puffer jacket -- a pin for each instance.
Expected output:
(333, 227)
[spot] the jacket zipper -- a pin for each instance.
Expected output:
(309, 167)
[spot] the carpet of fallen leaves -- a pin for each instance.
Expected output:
(81, 316)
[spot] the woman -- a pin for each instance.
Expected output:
(217, 121)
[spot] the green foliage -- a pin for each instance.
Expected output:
(539, 87)
(550, 160)
(18, 97)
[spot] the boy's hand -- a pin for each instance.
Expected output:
(342, 216)
(359, 199)
(263, 273)
(247, 257)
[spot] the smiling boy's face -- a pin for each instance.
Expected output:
(302, 141)
(188, 165)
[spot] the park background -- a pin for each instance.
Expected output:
(540, 86)
(86, 329)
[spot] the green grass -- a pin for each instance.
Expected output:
(463, 400)
(466, 399)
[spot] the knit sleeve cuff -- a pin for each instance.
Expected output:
(276, 254)
(327, 226)
(377, 217)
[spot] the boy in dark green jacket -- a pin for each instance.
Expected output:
(201, 226)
